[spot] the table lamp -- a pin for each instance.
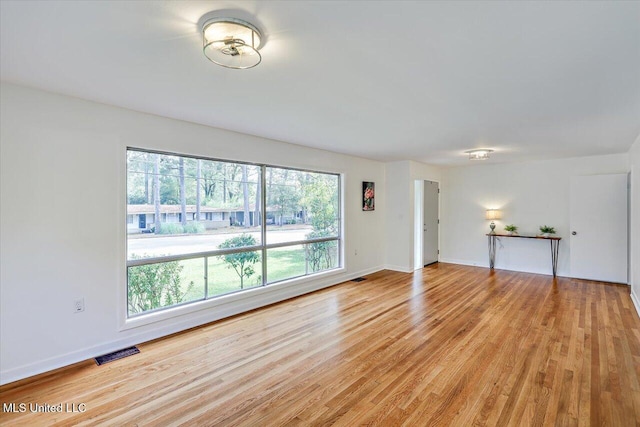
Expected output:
(493, 214)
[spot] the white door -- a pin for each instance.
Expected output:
(598, 219)
(430, 226)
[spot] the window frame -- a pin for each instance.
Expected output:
(263, 247)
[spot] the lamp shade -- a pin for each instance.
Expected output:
(493, 214)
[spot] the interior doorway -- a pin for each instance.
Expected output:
(430, 223)
(426, 250)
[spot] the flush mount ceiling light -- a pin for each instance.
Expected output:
(480, 154)
(231, 42)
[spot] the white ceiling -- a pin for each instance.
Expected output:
(385, 80)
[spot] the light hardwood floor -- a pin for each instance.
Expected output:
(448, 345)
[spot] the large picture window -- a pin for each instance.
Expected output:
(200, 228)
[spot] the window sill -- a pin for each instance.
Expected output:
(197, 306)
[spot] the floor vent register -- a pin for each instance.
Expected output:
(120, 354)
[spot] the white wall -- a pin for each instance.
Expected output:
(634, 268)
(401, 178)
(63, 223)
(58, 152)
(529, 194)
(398, 216)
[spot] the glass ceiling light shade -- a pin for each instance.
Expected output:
(480, 154)
(231, 42)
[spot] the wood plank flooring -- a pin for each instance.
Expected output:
(448, 345)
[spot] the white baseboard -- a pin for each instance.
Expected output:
(364, 273)
(544, 272)
(636, 301)
(401, 269)
(275, 294)
(464, 262)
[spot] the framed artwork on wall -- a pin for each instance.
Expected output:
(368, 196)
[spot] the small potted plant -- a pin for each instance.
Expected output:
(547, 231)
(511, 229)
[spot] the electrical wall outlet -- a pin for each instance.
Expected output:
(78, 305)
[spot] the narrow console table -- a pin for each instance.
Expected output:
(554, 241)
